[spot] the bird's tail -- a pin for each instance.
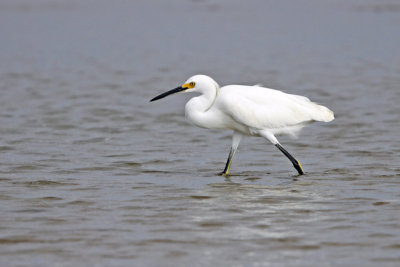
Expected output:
(323, 114)
(316, 112)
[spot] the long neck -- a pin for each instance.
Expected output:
(197, 107)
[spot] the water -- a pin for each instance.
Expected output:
(92, 174)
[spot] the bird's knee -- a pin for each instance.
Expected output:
(270, 136)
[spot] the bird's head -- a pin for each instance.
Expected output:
(198, 83)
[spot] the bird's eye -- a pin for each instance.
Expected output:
(192, 84)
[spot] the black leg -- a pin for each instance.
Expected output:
(295, 162)
(228, 163)
(235, 143)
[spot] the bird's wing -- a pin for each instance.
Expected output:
(262, 108)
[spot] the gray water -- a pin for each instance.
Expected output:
(92, 174)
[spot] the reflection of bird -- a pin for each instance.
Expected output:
(249, 110)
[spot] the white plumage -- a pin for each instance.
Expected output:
(249, 110)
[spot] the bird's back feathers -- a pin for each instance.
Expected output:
(263, 108)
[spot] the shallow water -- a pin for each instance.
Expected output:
(92, 174)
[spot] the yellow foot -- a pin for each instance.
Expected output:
(299, 168)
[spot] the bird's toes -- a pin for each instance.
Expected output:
(298, 167)
(300, 171)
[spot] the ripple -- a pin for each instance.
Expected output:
(298, 247)
(50, 198)
(210, 224)
(94, 168)
(347, 244)
(166, 241)
(278, 199)
(44, 183)
(200, 197)
(26, 167)
(388, 259)
(89, 141)
(6, 148)
(105, 112)
(380, 203)
(80, 203)
(126, 164)
(393, 246)
(120, 155)
(31, 211)
(252, 178)
(16, 240)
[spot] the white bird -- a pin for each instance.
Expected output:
(249, 110)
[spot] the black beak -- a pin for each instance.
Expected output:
(170, 92)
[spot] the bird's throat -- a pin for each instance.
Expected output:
(197, 110)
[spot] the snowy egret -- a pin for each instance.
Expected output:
(249, 110)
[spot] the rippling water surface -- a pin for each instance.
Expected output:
(92, 174)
